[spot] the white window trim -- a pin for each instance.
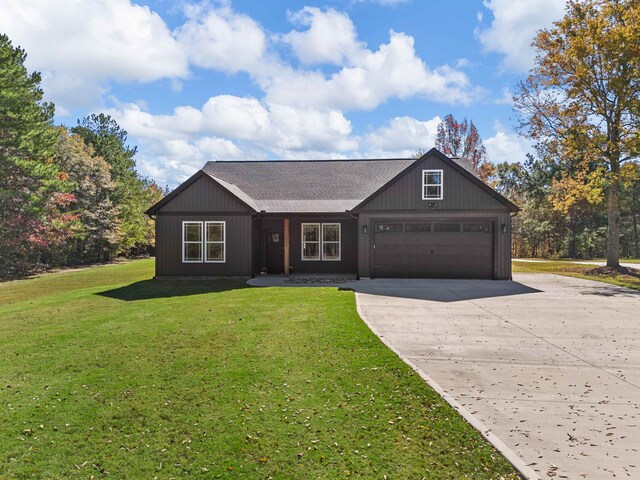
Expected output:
(206, 242)
(339, 242)
(185, 242)
(425, 184)
(303, 241)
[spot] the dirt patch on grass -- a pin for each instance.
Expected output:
(613, 271)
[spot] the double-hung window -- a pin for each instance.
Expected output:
(310, 241)
(331, 241)
(321, 241)
(214, 242)
(191, 242)
(432, 185)
(203, 241)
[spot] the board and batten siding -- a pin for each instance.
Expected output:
(459, 192)
(348, 262)
(462, 200)
(204, 195)
(199, 202)
(169, 246)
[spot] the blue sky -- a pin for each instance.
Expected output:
(229, 80)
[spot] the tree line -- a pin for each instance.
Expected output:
(579, 189)
(68, 196)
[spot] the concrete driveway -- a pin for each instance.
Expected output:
(550, 364)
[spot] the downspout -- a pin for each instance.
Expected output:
(357, 219)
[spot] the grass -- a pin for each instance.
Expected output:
(575, 270)
(106, 373)
(594, 260)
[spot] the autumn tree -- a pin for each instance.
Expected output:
(462, 140)
(132, 194)
(581, 103)
(35, 202)
(98, 233)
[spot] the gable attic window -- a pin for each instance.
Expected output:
(432, 185)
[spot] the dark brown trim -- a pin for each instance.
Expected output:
(208, 212)
(450, 163)
(458, 211)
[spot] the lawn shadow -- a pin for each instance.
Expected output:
(443, 290)
(149, 289)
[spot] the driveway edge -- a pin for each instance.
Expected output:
(498, 444)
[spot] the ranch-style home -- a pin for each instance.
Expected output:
(424, 217)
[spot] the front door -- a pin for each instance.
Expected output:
(273, 243)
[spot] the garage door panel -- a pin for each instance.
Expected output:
(466, 252)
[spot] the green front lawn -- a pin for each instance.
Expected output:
(595, 260)
(574, 270)
(106, 373)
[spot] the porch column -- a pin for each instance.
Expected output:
(286, 246)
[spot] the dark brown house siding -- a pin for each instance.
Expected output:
(199, 202)
(169, 246)
(459, 193)
(205, 195)
(463, 200)
(348, 262)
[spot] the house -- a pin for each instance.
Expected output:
(425, 217)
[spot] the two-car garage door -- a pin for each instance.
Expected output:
(433, 249)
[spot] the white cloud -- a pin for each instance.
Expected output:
(371, 78)
(506, 146)
(330, 38)
(402, 137)
(221, 39)
(514, 24)
(80, 46)
(229, 127)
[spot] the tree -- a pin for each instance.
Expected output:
(132, 194)
(99, 232)
(35, 201)
(461, 140)
(581, 103)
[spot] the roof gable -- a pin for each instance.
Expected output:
(323, 186)
(202, 193)
(462, 189)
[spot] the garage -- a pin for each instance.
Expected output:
(433, 249)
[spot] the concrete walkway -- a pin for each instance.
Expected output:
(579, 262)
(550, 364)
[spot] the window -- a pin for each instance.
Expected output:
(192, 242)
(480, 227)
(331, 241)
(446, 227)
(215, 242)
(418, 227)
(203, 240)
(432, 184)
(310, 241)
(321, 241)
(388, 227)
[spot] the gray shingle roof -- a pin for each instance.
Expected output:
(305, 186)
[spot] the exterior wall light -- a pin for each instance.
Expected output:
(504, 228)
(364, 229)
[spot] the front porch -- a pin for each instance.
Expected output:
(305, 245)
